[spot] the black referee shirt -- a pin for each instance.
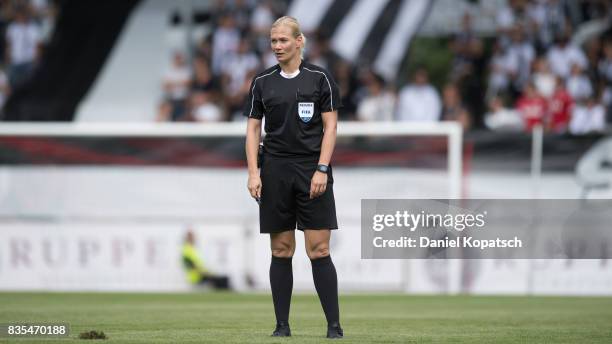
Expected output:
(292, 109)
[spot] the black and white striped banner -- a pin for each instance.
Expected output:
(373, 32)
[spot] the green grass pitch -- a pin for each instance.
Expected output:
(248, 318)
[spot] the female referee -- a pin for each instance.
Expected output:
(294, 187)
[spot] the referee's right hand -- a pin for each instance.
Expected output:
(254, 186)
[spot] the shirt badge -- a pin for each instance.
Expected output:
(305, 111)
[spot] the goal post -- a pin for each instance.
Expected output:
(106, 220)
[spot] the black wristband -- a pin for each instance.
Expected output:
(322, 168)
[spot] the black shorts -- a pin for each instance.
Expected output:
(285, 196)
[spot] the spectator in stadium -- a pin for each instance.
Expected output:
(44, 13)
(176, 84)
(23, 39)
(294, 188)
(315, 56)
(225, 41)
(261, 20)
(588, 118)
(543, 78)
(197, 273)
(203, 49)
(379, 104)
(241, 10)
(595, 9)
(467, 50)
(532, 107)
(563, 55)
(452, 107)
(203, 108)
(419, 101)
(328, 55)
(507, 17)
(501, 118)
(524, 53)
(237, 68)
(578, 84)
(594, 52)
(205, 93)
(504, 18)
(560, 107)
(546, 18)
(347, 83)
(503, 67)
(605, 71)
(203, 79)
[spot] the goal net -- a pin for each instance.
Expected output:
(106, 206)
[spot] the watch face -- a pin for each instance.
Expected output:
(322, 168)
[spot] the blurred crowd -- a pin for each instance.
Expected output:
(214, 84)
(25, 26)
(538, 73)
(531, 72)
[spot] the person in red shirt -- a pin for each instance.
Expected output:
(532, 107)
(560, 108)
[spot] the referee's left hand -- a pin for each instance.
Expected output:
(318, 184)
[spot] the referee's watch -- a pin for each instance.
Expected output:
(322, 168)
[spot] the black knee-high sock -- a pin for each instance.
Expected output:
(281, 281)
(326, 283)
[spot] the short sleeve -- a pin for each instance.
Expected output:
(330, 94)
(253, 107)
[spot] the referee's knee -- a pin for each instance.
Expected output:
(318, 251)
(283, 250)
